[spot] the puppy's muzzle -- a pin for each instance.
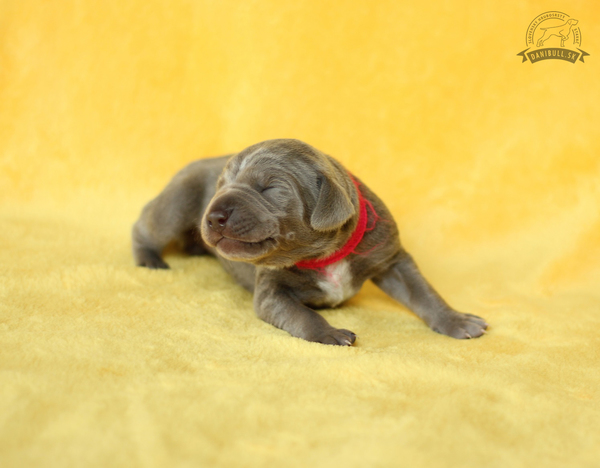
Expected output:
(239, 226)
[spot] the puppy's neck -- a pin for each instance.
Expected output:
(349, 247)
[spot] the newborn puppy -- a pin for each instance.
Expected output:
(294, 227)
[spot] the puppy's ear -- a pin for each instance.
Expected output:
(333, 207)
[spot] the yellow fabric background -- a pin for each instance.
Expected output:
(491, 167)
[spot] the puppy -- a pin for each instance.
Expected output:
(294, 227)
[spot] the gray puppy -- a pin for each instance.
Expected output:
(290, 224)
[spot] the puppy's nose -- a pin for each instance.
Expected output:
(217, 220)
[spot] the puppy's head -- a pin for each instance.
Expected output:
(279, 202)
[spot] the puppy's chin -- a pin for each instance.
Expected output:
(241, 251)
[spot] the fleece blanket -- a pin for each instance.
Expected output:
(488, 159)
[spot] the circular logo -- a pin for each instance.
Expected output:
(553, 35)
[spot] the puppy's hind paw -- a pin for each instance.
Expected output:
(151, 259)
(461, 326)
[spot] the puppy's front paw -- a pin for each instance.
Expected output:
(461, 326)
(335, 336)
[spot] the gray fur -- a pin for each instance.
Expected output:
(272, 205)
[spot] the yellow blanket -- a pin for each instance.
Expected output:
(489, 163)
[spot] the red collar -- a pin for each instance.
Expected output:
(352, 243)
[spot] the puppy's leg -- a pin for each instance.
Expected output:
(276, 305)
(166, 218)
(404, 282)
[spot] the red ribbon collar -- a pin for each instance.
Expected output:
(352, 243)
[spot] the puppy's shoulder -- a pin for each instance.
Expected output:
(202, 169)
(381, 241)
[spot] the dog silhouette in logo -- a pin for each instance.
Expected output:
(562, 30)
